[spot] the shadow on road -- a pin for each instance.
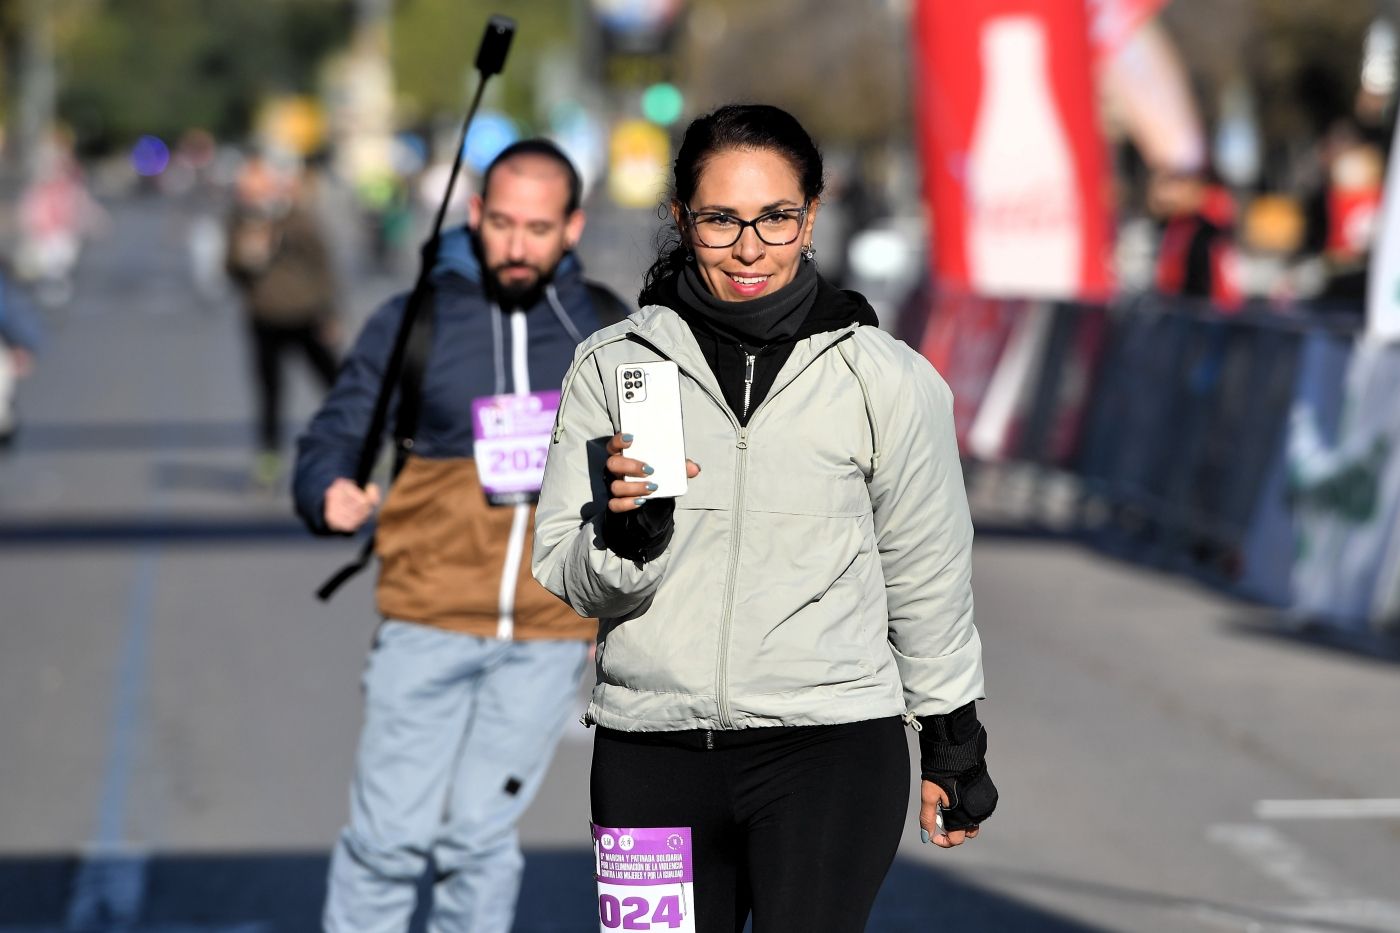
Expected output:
(1272, 625)
(281, 893)
(112, 436)
(123, 531)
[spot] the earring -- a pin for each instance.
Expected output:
(689, 255)
(809, 253)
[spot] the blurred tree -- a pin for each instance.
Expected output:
(434, 48)
(161, 66)
(843, 70)
(27, 73)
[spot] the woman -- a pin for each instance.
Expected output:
(765, 636)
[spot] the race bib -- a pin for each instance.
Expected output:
(646, 878)
(511, 439)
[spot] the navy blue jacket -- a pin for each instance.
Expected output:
(470, 357)
(448, 557)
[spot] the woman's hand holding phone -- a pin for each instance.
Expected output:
(626, 495)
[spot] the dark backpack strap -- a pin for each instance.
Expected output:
(341, 576)
(413, 365)
(608, 306)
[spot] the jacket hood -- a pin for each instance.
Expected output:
(458, 255)
(836, 309)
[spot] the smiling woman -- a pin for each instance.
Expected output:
(764, 636)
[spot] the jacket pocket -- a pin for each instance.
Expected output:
(811, 607)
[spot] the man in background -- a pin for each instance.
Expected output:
(475, 668)
(278, 258)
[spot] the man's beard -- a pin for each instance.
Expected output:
(521, 293)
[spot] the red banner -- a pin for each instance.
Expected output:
(1014, 165)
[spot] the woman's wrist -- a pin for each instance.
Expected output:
(953, 755)
(640, 534)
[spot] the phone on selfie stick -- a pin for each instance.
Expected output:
(404, 371)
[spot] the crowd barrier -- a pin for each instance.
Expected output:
(1253, 449)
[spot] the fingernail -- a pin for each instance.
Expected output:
(651, 487)
(648, 470)
(923, 834)
(641, 502)
(627, 437)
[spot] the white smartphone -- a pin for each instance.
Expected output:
(649, 405)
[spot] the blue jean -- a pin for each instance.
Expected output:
(458, 733)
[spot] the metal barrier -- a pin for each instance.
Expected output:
(1172, 418)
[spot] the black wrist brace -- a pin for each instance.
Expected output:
(641, 534)
(953, 751)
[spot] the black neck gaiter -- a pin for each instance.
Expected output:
(762, 321)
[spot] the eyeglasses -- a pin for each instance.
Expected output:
(718, 230)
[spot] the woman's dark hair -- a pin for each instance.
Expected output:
(733, 126)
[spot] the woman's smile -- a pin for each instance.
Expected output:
(747, 284)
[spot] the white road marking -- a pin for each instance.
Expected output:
(1326, 897)
(1373, 808)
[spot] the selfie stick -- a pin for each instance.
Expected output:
(490, 60)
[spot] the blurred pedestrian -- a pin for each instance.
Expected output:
(1342, 213)
(764, 638)
(193, 178)
(278, 258)
(20, 334)
(475, 668)
(56, 214)
(1197, 257)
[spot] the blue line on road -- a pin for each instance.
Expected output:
(120, 531)
(110, 883)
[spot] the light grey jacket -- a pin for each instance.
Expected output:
(820, 570)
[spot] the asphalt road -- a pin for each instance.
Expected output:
(178, 714)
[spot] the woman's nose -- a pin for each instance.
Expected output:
(749, 248)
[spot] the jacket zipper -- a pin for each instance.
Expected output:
(727, 622)
(748, 383)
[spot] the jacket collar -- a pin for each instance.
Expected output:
(668, 333)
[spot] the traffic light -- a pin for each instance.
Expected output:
(663, 103)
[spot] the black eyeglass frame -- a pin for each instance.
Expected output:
(801, 221)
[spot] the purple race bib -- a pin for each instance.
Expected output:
(646, 878)
(511, 439)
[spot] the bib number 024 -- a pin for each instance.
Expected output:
(646, 878)
(640, 913)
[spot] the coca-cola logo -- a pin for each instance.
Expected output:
(1028, 211)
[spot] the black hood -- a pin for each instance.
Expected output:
(836, 308)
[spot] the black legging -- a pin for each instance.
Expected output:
(270, 343)
(797, 824)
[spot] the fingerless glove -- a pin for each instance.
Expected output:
(953, 755)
